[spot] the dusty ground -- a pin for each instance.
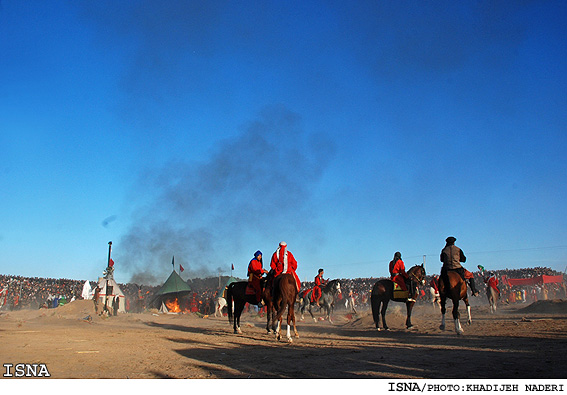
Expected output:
(517, 342)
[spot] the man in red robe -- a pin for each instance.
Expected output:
(398, 273)
(317, 289)
(255, 272)
(283, 261)
(492, 281)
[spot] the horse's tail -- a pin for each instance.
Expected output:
(375, 304)
(229, 302)
(376, 299)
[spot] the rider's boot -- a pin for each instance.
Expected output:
(474, 291)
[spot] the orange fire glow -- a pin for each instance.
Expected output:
(173, 305)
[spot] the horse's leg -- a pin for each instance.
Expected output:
(443, 301)
(409, 307)
(469, 321)
(238, 307)
(268, 314)
(278, 329)
(293, 320)
(456, 317)
(289, 311)
(383, 313)
(310, 312)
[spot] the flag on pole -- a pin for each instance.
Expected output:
(181, 268)
(110, 263)
(173, 262)
(232, 268)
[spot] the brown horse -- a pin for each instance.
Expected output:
(236, 292)
(456, 291)
(492, 296)
(284, 295)
(383, 292)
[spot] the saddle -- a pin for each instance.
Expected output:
(399, 293)
(249, 290)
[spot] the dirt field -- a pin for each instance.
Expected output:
(517, 342)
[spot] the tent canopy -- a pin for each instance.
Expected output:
(174, 284)
(535, 280)
(230, 281)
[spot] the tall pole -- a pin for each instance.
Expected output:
(107, 290)
(109, 248)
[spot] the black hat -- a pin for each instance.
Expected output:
(450, 239)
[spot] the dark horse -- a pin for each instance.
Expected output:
(456, 291)
(327, 301)
(284, 295)
(236, 292)
(383, 292)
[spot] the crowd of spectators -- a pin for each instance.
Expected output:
(17, 292)
(35, 292)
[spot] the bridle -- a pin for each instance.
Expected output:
(412, 274)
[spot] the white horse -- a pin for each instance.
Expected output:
(219, 305)
(435, 299)
(349, 300)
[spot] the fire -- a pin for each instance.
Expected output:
(173, 305)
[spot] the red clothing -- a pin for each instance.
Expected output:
(283, 261)
(255, 271)
(434, 284)
(398, 273)
(492, 282)
(317, 292)
(255, 267)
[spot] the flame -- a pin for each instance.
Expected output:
(173, 305)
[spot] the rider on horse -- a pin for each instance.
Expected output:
(399, 276)
(435, 284)
(319, 283)
(492, 282)
(283, 261)
(452, 256)
(255, 272)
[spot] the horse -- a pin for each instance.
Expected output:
(284, 296)
(457, 291)
(220, 303)
(236, 297)
(435, 299)
(349, 301)
(383, 292)
(327, 301)
(492, 296)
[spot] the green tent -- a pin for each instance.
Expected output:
(231, 280)
(174, 284)
(173, 288)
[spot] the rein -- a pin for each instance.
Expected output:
(412, 274)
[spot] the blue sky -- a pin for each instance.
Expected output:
(209, 130)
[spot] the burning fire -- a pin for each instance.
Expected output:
(173, 305)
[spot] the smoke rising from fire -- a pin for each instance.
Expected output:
(254, 189)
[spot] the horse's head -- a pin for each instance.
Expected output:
(417, 273)
(334, 286)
